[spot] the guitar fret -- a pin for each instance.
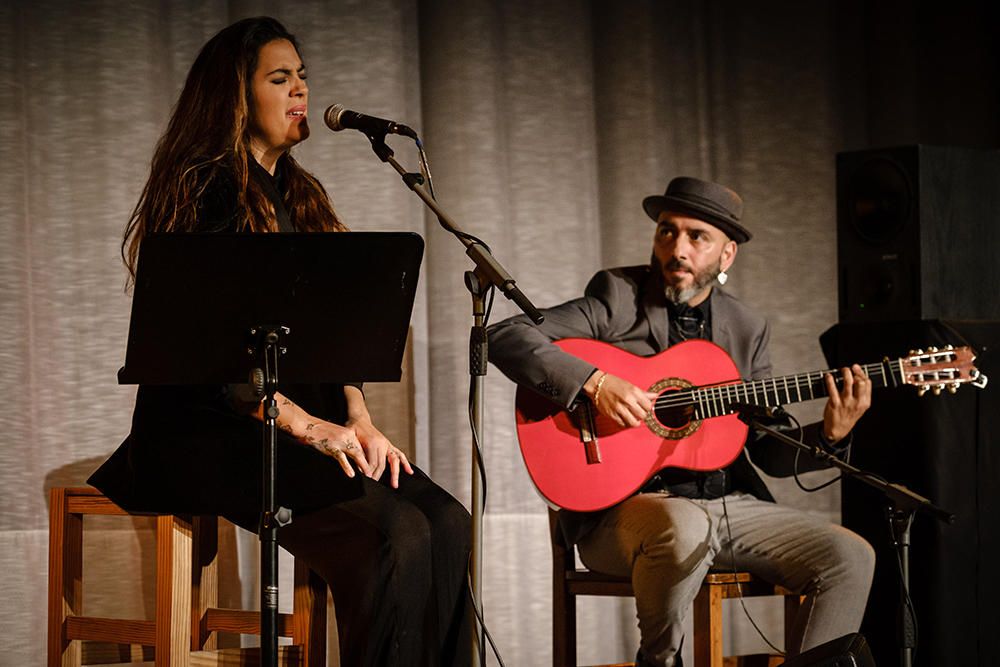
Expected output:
(788, 397)
(798, 389)
(764, 388)
(877, 369)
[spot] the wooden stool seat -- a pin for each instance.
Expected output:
(187, 618)
(568, 582)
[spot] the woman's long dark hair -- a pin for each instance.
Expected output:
(208, 133)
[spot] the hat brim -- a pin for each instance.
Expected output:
(656, 204)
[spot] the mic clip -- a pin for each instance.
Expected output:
(747, 412)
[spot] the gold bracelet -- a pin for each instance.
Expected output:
(597, 391)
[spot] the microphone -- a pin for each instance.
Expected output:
(338, 118)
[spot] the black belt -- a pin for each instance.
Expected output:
(689, 483)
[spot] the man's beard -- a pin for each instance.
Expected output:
(703, 279)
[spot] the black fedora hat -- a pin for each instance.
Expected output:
(711, 202)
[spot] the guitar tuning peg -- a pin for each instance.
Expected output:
(952, 388)
(921, 390)
(949, 347)
(911, 352)
(936, 390)
(932, 350)
(919, 351)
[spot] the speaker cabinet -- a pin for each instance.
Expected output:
(945, 448)
(918, 232)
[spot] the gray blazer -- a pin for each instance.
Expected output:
(627, 308)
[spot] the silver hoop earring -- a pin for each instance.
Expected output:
(722, 277)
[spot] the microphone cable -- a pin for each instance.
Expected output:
(739, 586)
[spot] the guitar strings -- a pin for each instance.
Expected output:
(789, 383)
(710, 395)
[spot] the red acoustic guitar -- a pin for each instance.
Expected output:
(583, 461)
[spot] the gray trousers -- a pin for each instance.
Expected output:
(667, 544)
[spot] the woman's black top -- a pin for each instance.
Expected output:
(190, 450)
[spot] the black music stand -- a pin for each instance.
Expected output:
(225, 308)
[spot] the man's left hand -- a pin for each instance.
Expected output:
(846, 406)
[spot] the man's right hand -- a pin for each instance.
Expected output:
(619, 399)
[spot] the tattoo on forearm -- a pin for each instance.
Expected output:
(285, 427)
(286, 401)
(310, 426)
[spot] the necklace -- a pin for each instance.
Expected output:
(688, 326)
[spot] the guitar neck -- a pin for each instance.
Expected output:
(716, 400)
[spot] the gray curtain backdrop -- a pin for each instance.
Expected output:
(545, 122)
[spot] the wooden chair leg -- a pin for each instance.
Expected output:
(708, 627)
(65, 579)
(563, 627)
(204, 580)
(173, 591)
(793, 603)
(563, 602)
(309, 615)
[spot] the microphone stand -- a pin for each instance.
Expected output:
(488, 273)
(901, 504)
(268, 346)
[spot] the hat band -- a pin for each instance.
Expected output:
(705, 203)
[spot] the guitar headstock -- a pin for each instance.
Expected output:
(938, 370)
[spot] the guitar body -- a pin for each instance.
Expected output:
(576, 474)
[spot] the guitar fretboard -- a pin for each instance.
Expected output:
(717, 400)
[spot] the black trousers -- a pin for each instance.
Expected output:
(395, 561)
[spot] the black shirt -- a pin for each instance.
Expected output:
(687, 323)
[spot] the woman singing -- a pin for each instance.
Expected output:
(391, 544)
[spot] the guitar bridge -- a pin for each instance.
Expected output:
(588, 434)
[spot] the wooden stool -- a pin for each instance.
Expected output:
(187, 618)
(568, 582)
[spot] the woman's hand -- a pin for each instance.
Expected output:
(380, 451)
(339, 442)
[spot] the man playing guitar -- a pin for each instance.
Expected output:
(683, 522)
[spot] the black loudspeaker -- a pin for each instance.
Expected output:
(918, 229)
(847, 651)
(946, 448)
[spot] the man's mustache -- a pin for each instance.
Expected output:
(674, 264)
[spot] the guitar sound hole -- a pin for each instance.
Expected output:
(675, 417)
